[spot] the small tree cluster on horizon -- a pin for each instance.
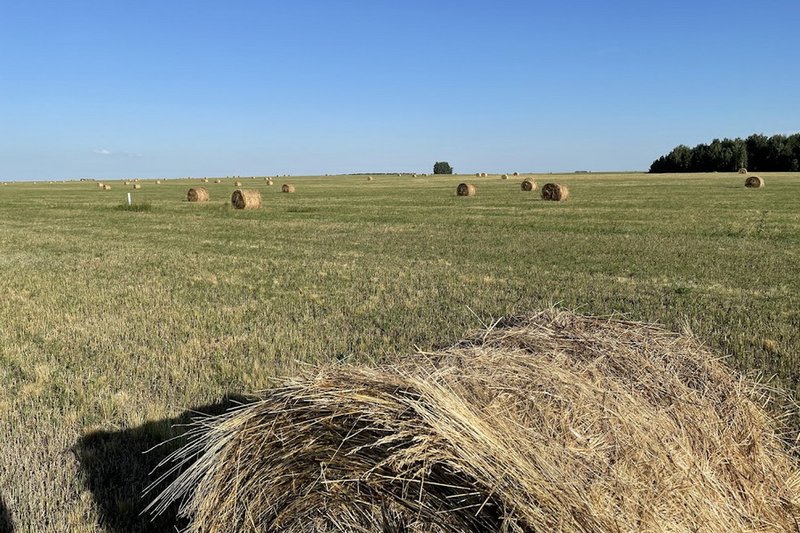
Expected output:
(779, 153)
(442, 167)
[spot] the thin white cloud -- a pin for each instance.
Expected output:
(104, 151)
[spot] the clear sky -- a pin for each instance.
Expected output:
(197, 87)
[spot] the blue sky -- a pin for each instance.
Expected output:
(178, 88)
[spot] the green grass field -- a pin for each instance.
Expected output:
(114, 322)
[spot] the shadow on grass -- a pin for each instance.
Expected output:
(117, 469)
(6, 524)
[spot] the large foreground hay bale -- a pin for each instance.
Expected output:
(466, 189)
(555, 422)
(528, 184)
(555, 192)
(287, 187)
(754, 182)
(246, 199)
(197, 194)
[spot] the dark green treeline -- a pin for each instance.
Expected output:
(779, 153)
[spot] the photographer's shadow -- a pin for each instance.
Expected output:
(117, 466)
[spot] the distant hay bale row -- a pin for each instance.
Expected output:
(198, 194)
(287, 188)
(528, 184)
(555, 192)
(554, 422)
(466, 189)
(246, 199)
(754, 182)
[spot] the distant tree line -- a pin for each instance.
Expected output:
(779, 153)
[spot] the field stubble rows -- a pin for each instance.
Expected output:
(113, 323)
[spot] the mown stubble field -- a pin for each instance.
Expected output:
(114, 323)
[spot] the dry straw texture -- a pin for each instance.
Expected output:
(197, 194)
(742, 170)
(99, 185)
(106, 187)
(504, 177)
(287, 187)
(137, 186)
(370, 178)
(237, 184)
(555, 422)
(205, 180)
(246, 199)
(555, 192)
(528, 184)
(754, 182)
(269, 182)
(466, 189)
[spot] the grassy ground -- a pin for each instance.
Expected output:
(113, 322)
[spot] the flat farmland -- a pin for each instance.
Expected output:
(115, 322)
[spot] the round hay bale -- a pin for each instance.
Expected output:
(287, 187)
(158, 182)
(137, 186)
(237, 184)
(99, 185)
(477, 174)
(246, 199)
(370, 178)
(205, 180)
(504, 177)
(516, 173)
(754, 182)
(466, 189)
(198, 194)
(127, 182)
(106, 187)
(217, 181)
(554, 422)
(528, 184)
(269, 182)
(555, 192)
(742, 170)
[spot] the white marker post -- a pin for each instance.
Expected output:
(129, 198)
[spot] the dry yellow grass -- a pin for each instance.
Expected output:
(555, 422)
